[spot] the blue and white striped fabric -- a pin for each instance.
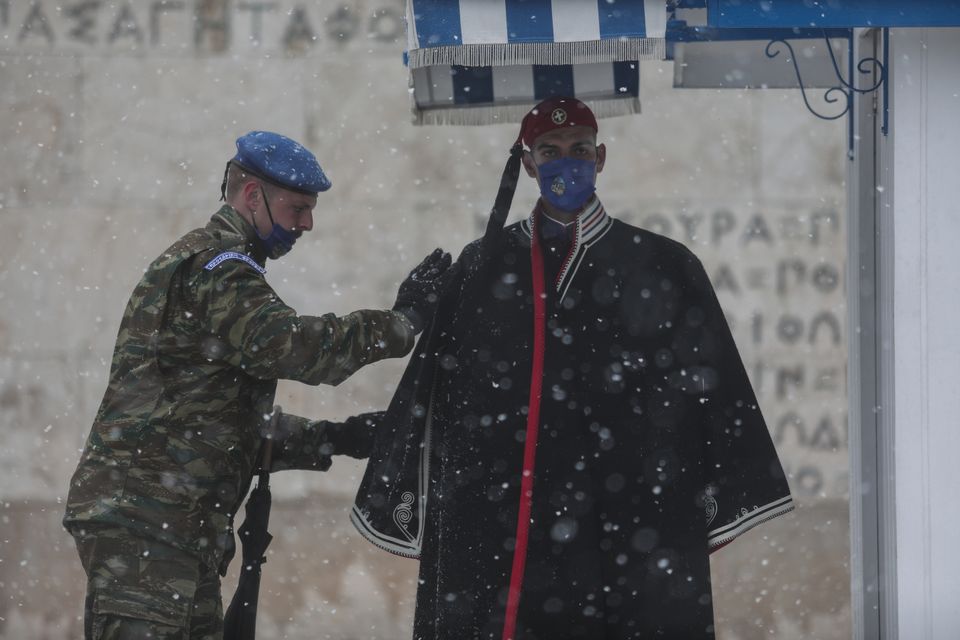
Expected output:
(453, 94)
(490, 61)
(480, 33)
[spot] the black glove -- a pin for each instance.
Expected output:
(419, 294)
(354, 436)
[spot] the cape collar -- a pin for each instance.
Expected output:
(592, 223)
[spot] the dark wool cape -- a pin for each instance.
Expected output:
(563, 469)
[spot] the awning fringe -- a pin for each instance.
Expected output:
(500, 55)
(502, 114)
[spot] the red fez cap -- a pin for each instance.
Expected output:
(555, 113)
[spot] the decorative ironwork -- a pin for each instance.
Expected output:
(846, 88)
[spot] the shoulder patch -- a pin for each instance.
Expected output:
(233, 255)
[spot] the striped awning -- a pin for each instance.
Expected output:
(488, 61)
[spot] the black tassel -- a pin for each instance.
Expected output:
(501, 206)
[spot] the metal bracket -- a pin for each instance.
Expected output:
(847, 87)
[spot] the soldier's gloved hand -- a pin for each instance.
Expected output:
(354, 436)
(419, 294)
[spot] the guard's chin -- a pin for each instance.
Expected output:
(277, 254)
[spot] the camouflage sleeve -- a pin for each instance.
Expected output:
(250, 327)
(309, 444)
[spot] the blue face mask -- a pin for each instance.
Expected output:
(279, 241)
(567, 183)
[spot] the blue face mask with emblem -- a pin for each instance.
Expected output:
(567, 183)
(279, 241)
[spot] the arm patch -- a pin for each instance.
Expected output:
(233, 255)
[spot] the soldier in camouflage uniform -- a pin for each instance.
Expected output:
(176, 439)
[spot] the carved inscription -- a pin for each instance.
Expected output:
(189, 27)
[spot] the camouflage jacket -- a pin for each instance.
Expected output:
(201, 345)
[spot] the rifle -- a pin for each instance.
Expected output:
(240, 621)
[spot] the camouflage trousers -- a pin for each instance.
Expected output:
(139, 588)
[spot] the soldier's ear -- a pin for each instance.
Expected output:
(251, 194)
(601, 156)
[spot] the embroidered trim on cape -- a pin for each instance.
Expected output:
(403, 514)
(592, 224)
(412, 545)
(711, 508)
(233, 255)
(747, 520)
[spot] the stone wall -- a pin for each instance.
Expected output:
(117, 119)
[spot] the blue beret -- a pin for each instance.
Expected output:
(282, 161)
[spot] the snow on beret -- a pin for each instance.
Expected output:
(282, 161)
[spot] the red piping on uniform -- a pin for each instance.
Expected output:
(530, 444)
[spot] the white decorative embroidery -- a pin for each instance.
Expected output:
(746, 519)
(233, 255)
(711, 505)
(403, 514)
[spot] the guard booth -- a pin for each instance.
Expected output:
(899, 95)
(901, 104)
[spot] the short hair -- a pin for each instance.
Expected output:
(237, 177)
